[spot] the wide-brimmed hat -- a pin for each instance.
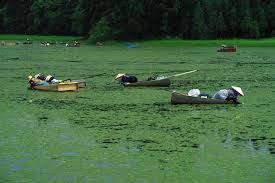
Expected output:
(29, 77)
(37, 75)
(119, 76)
(238, 89)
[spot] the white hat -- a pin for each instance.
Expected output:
(238, 89)
(48, 78)
(119, 76)
(36, 76)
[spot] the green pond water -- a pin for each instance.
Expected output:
(108, 133)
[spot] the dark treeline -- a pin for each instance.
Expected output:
(140, 19)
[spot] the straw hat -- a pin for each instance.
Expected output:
(238, 89)
(29, 77)
(48, 78)
(119, 76)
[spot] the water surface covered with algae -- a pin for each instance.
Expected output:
(108, 133)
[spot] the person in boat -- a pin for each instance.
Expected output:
(125, 78)
(33, 81)
(76, 44)
(154, 77)
(48, 78)
(230, 94)
(51, 79)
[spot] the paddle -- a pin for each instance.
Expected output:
(181, 74)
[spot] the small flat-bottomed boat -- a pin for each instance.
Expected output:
(81, 83)
(152, 83)
(178, 98)
(60, 87)
(227, 49)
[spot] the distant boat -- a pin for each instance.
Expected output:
(225, 48)
(178, 98)
(59, 87)
(151, 83)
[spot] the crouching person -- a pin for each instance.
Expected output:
(124, 78)
(230, 94)
(33, 81)
(51, 79)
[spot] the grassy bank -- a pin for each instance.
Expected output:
(16, 37)
(269, 42)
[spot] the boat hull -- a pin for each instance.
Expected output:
(81, 83)
(59, 87)
(227, 50)
(153, 83)
(177, 98)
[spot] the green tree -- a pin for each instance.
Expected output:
(198, 28)
(258, 15)
(220, 25)
(101, 31)
(246, 23)
(83, 17)
(14, 15)
(254, 31)
(50, 17)
(271, 17)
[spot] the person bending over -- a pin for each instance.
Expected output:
(125, 78)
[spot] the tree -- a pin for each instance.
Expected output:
(51, 17)
(14, 16)
(101, 31)
(254, 31)
(83, 17)
(246, 23)
(259, 17)
(198, 28)
(220, 25)
(271, 17)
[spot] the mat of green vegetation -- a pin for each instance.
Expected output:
(108, 133)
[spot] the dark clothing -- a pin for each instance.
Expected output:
(226, 94)
(232, 95)
(41, 77)
(129, 79)
(51, 78)
(153, 77)
(32, 84)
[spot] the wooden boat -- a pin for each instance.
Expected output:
(81, 83)
(60, 87)
(11, 43)
(227, 49)
(152, 83)
(178, 98)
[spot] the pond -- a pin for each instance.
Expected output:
(108, 133)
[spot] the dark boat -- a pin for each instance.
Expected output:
(151, 83)
(178, 98)
(227, 49)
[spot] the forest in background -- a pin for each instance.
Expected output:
(101, 20)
